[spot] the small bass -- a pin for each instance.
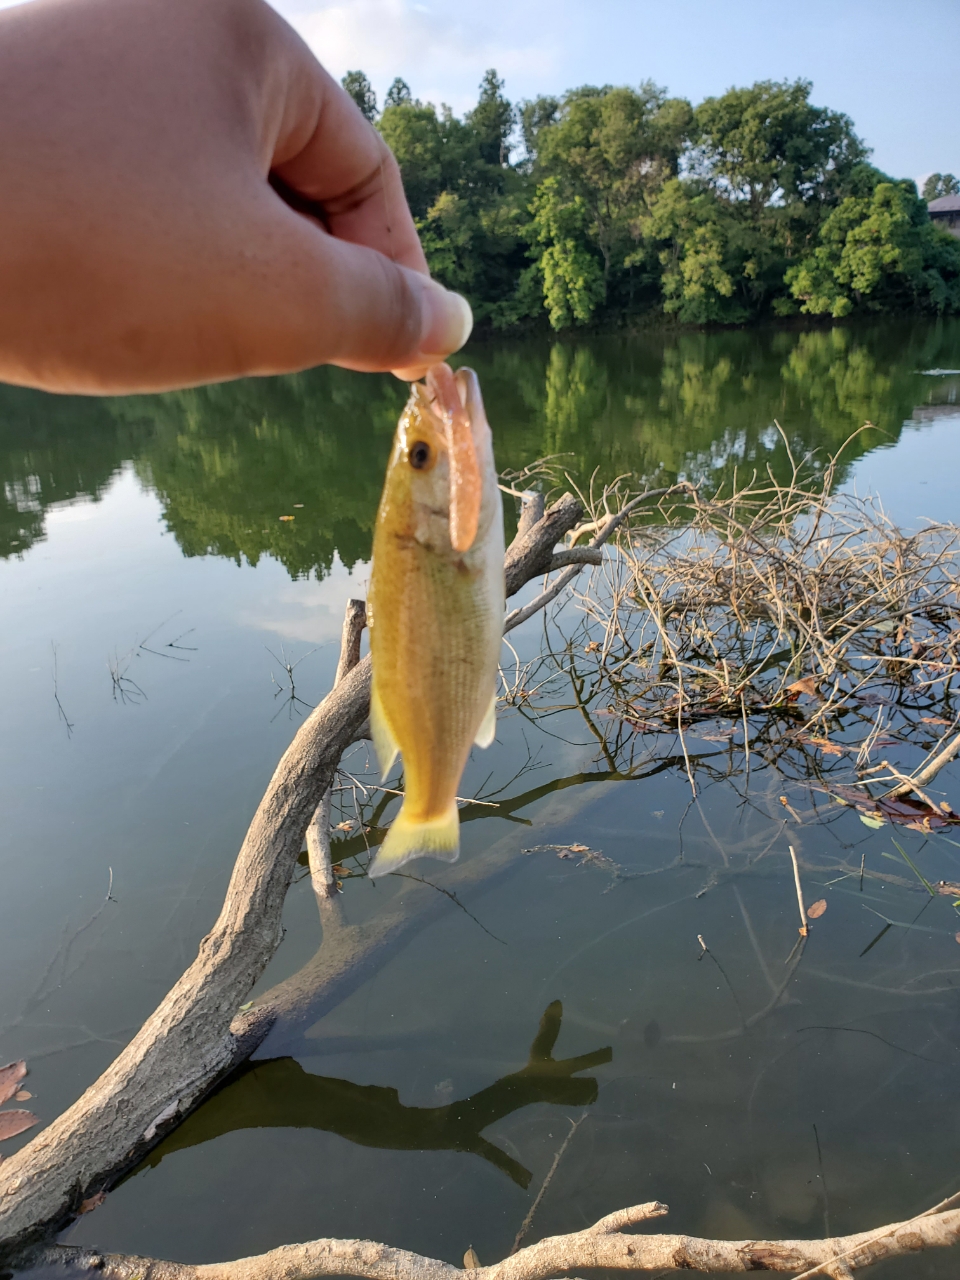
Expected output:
(436, 606)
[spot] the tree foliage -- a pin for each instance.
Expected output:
(610, 203)
(361, 91)
(940, 184)
(879, 253)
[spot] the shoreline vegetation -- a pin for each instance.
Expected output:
(617, 206)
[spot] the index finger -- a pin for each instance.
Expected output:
(330, 157)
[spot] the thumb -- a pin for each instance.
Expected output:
(321, 300)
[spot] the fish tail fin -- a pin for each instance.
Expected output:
(408, 838)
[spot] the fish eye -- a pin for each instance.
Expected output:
(419, 455)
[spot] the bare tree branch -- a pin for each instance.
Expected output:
(604, 1245)
(318, 831)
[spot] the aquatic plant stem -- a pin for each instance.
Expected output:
(804, 927)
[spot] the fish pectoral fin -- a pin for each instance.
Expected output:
(409, 838)
(384, 742)
(488, 726)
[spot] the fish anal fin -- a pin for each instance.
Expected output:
(488, 725)
(384, 742)
(409, 838)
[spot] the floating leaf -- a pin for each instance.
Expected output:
(902, 811)
(807, 685)
(579, 848)
(826, 746)
(957, 937)
(10, 1077)
(471, 1261)
(14, 1122)
(936, 720)
(288, 517)
(93, 1202)
(23, 1095)
(816, 909)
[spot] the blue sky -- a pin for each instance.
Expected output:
(889, 64)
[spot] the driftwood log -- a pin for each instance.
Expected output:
(196, 1035)
(604, 1245)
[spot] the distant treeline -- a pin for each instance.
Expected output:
(609, 204)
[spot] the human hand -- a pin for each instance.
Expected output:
(143, 242)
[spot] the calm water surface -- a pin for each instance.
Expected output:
(152, 598)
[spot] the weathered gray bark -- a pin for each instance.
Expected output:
(604, 1245)
(318, 830)
(531, 551)
(194, 1037)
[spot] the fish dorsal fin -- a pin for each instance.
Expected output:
(488, 726)
(384, 741)
(466, 487)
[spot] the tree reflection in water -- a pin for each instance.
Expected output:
(279, 1093)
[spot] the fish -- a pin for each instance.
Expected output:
(435, 610)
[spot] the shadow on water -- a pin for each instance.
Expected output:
(279, 1094)
(227, 461)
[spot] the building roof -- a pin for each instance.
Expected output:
(944, 206)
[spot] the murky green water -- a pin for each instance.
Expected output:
(151, 596)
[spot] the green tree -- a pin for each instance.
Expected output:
(572, 276)
(361, 91)
(940, 184)
(533, 115)
(398, 95)
(880, 253)
(416, 137)
(769, 142)
(492, 121)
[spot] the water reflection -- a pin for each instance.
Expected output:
(228, 461)
(279, 1094)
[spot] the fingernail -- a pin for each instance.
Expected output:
(447, 321)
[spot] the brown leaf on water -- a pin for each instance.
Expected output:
(14, 1122)
(935, 720)
(23, 1095)
(807, 685)
(902, 811)
(343, 826)
(10, 1077)
(826, 746)
(816, 909)
(579, 848)
(957, 936)
(93, 1202)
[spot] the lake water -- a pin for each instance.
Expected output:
(151, 599)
